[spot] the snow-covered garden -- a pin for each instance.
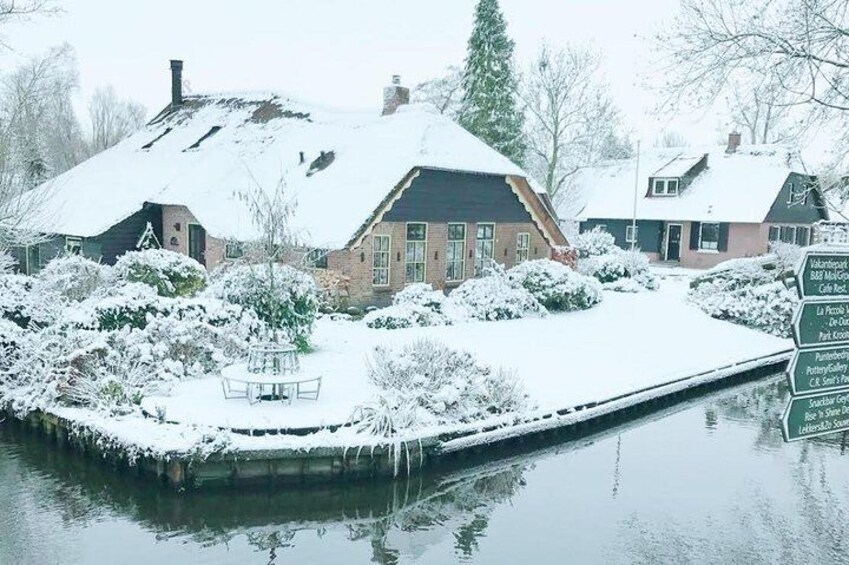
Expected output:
(132, 353)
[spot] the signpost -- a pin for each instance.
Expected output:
(818, 374)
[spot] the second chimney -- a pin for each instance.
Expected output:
(734, 139)
(176, 83)
(394, 96)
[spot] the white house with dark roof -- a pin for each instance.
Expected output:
(393, 197)
(700, 206)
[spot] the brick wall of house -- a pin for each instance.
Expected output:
(356, 264)
(744, 240)
(178, 240)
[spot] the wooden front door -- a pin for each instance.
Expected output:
(197, 243)
(673, 242)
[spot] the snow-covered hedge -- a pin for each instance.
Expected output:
(492, 297)
(556, 286)
(7, 263)
(427, 383)
(283, 297)
(594, 242)
(611, 268)
(73, 277)
(21, 305)
(406, 315)
(170, 273)
(421, 294)
(767, 307)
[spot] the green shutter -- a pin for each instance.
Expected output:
(694, 235)
(723, 237)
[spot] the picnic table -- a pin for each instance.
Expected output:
(238, 382)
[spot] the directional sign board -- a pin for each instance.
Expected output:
(824, 274)
(821, 322)
(822, 369)
(811, 416)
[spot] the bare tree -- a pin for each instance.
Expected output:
(670, 139)
(112, 119)
(444, 93)
(22, 10)
(765, 113)
(571, 119)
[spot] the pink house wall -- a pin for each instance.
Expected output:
(744, 240)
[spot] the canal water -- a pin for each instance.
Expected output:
(709, 481)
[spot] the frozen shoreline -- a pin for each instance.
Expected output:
(575, 366)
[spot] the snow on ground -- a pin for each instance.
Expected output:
(627, 343)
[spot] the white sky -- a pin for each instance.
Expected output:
(338, 52)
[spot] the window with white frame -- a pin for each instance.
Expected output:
(484, 247)
(380, 260)
(73, 245)
(455, 253)
(523, 247)
(774, 233)
(708, 237)
(788, 234)
(416, 252)
(664, 187)
(797, 194)
(803, 236)
(632, 232)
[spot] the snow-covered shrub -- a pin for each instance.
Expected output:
(767, 307)
(427, 383)
(556, 286)
(19, 303)
(72, 276)
(491, 297)
(421, 294)
(405, 315)
(10, 337)
(594, 242)
(739, 273)
(787, 255)
(7, 263)
(128, 305)
(620, 264)
(284, 298)
(170, 273)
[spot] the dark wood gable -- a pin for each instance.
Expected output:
(807, 210)
(451, 196)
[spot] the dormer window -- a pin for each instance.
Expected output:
(664, 187)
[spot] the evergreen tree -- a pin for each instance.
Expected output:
(489, 109)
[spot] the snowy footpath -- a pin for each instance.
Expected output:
(629, 343)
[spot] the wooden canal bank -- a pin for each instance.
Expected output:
(282, 467)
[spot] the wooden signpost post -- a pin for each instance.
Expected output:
(818, 374)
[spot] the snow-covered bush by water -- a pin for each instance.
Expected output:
(73, 277)
(767, 307)
(492, 297)
(284, 298)
(21, 305)
(556, 286)
(428, 383)
(170, 273)
(748, 291)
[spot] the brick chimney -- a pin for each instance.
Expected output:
(734, 139)
(395, 95)
(176, 83)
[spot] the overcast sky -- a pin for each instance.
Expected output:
(340, 52)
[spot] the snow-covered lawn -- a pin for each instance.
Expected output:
(627, 343)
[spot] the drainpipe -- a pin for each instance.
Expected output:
(636, 193)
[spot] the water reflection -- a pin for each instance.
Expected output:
(710, 481)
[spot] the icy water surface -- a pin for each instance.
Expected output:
(710, 481)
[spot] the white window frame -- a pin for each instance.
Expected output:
(523, 252)
(480, 260)
(462, 261)
(374, 254)
(777, 232)
(416, 243)
(704, 249)
(73, 245)
(632, 233)
(666, 183)
(228, 256)
(791, 230)
(807, 240)
(794, 197)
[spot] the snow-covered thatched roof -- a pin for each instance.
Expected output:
(215, 148)
(735, 187)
